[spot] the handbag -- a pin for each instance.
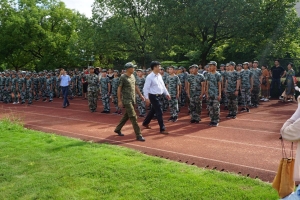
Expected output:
(295, 80)
(284, 182)
(264, 81)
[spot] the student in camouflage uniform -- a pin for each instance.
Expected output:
(79, 84)
(35, 81)
(140, 81)
(172, 84)
(57, 86)
(195, 92)
(257, 79)
(72, 88)
(49, 91)
(127, 89)
(93, 87)
(164, 100)
(246, 87)
(28, 88)
(213, 93)
(42, 80)
(114, 91)
(2, 83)
(21, 88)
(105, 88)
(223, 75)
(182, 77)
(232, 88)
(7, 88)
(239, 70)
(14, 92)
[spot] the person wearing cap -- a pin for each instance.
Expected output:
(49, 90)
(213, 93)
(2, 82)
(182, 95)
(172, 84)
(153, 89)
(246, 87)
(7, 88)
(35, 82)
(84, 84)
(57, 87)
(233, 81)
(42, 80)
(105, 89)
(64, 84)
(28, 88)
(114, 91)
(164, 101)
(257, 79)
(14, 93)
(21, 87)
(126, 96)
(223, 74)
(195, 92)
(239, 69)
(93, 81)
(140, 82)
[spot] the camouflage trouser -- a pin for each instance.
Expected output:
(1, 92)
(246, 97)
(115, 102)
(6, 96)
(70, 93)
(182, 97)
(255, 95)
(57, 91)
(214, 109)
(173, 104)
(141, 105)
(36, 92)
(14, 94)
(224, 98)
(44, 93)
(92, 100)
(164, 102)
(22, 94)
(195, 107)
(105, 102)
(79, 91)
(49, 93)
(232, 103)
(28, 94)
(240, 99)
(74, 91)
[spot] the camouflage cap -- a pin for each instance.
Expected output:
(193, 66)
(181, 68)
(104, 70)
(138, 70)
(213, 63)
(129, 65)
(91, 67)
(245, 63)
(232, 63)
(222, 65)
(239, 65)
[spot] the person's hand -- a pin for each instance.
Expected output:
(177, 96)
(188, 96)
(236, 93)
(251, 89)
(142, 97)
(219, 98)
(201, 96)
(147, 102)
(120, 105)
(168, 97)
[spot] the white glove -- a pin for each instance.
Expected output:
(297, 88)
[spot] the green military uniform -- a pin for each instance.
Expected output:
(246, 76)
(114, 92)
(28, 89)
(140, 82)
(104, 84)
(232, 78)
(7, 89)
(14, 89)
(127, 85)
(2, 83)
(256, 86)
(182, 77)
(92, 80)
(172, 83)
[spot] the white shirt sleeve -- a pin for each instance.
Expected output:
(291, 130)
(146, 88)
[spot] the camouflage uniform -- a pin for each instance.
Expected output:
(182, 77)
(246, 76)
(79, 85)
(104, 81)
(57, 87)
(92, 80)
(224, 99)
(195, 81)
(21, 89)
(73, 86)
(114, 92)
(42, 80)
(7, 90)
(14, 89)
(256, 86)
(2, 83)
(213, 92)
(35, 81)
(232, 78)
(140, 82)
(49, 90)
(172, 82)
(164, 100)
(28, 90)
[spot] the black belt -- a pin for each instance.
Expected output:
(156, 94)
(64, 86)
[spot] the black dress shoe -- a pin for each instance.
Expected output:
(192, 121)
(119, 133)
(140, 138)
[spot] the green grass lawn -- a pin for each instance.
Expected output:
(35, 165)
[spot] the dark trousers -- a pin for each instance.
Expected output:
(155, 109)
(275, 81)
(65, 95)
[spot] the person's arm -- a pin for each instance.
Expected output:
(220, 89)
(69, 79)
(119, 97)
(188, 89)
(283, 75)
(203, 91)
(137, 90)
(147, 87)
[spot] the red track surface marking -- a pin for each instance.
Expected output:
(248, 145)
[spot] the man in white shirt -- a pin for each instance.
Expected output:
(153, 89)
(64, 83)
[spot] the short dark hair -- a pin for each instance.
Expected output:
(292, 64)
(276, 60)
(154, 64)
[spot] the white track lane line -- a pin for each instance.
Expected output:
(161, 150)
(184, 135)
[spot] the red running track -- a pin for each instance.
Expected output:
(248, 145)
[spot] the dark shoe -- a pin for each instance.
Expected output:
(210, 123)
(233, 116)
(164, 132)
(214, 124)
(29, 103)
(44, 100)
(229, 116)
(243, 110)
(50, 101)
(147, 126)
(92, 111)
(175, 119)
(21, 103)
(106, 112)
(197, 122)
(117, 112)
(171, 119)
(192, 121)
(103, 111)
(140, 138)
(247, 110)
(119, 133)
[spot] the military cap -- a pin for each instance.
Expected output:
(116, 71)
(206, 66)
(27, 74)
(162, 68)
(213, 63)
(240, 65)
(129, 65)
(104, 70)
(232, 63)
(147, 70)
(181, 68)
(255, 61)
(91, 67)
(193, 66)
(245, 63)
(222, 65)
(176, 68)
(139, 70)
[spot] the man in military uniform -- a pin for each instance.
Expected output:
(140, 81)
(21, 87)
(172, 84)
(126, 96)
(42, 80)
(49, 85)
(28, 88)
(114, 91)
(164, 100)
(195, 91)
(246, 87)
(7, 88)
(35, 81)
(257, 79)
(2, 83)
(223, 75)
(14, 92)
(182, 77)
(213, 93)
(93, 81)
(233, 81)
(105, 88)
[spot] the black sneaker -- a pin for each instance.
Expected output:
(119, 133)
(243, 110)
(50, 101)
(214, 124)
(210, 123)
(229, 116)
(140, 138)
(44, 100)
(196, 122)
(192, 121)
(247, 110)
(175, 119)
(171, 119)
(233, 116)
